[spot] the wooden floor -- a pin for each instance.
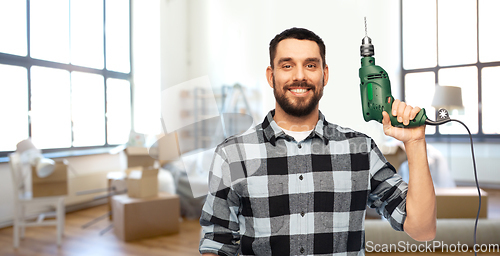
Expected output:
(79, 241)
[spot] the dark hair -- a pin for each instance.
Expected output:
(300, 34)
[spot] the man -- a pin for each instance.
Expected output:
(299, 185)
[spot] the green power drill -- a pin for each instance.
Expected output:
(375, 88)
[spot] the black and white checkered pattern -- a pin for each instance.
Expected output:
(272, 195)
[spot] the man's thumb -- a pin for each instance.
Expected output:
(386, 122)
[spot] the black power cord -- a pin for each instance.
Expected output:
(446, 120)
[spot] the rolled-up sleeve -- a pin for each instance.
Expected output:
(219, 217)
(388, 190)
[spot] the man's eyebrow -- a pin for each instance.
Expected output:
(284, 59)
(313, 60)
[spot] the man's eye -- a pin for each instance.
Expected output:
(311, 66)
(287, 66)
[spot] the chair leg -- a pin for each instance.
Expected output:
(16, 231)
(22, 213)
(63, 217)
(63, 221)
(60, 221)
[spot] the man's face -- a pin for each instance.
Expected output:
(298, 76)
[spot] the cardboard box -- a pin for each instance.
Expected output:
(131, 169)
(138, 218)
(460, 202)
(56, 184)
(142, 182)
(117, 182)
(139, 156)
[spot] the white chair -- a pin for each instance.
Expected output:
(23, 199)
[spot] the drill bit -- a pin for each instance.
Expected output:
(366, 30)
(367, 49)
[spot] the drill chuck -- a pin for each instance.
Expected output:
(366, 48)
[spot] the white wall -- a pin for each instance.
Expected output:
(174, 42)
(146, 65)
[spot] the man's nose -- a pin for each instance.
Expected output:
(299, 74)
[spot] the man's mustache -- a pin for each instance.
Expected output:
(301, 84)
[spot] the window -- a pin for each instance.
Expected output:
(65, 73)
(452, 42)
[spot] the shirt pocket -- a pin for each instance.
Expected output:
(269, 206)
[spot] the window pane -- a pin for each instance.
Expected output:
(466, 78)
(50, 108)
(13, 106)
(87, 45)
(117, 36)
(419, 89)
(419, 35)
(118, 110)
(488, 30)
(457, 32)
(13, 27)
(49, 26)
(87, 109)
(490, 91)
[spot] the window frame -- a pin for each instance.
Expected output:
(27, 62)
(437, 136)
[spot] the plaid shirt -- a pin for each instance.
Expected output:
(271, 195)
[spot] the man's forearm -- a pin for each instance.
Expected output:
(209, 254)
(420, 221)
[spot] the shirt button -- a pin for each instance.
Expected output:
(302, 250)
(300, 177)
(300, 146)
(302, 213)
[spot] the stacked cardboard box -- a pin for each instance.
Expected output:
(139, 156)
(460, 202)
(142, 182)
(56, 184)
(138, 218)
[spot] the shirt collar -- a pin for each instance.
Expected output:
(272, 131)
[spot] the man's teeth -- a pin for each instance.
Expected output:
(299, 90)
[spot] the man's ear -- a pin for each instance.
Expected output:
(269, 76)
(326, 73)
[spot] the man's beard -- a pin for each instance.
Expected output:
(302, 106)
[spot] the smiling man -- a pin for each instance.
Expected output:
(309, 192)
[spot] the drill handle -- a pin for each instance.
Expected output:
(415, 122)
